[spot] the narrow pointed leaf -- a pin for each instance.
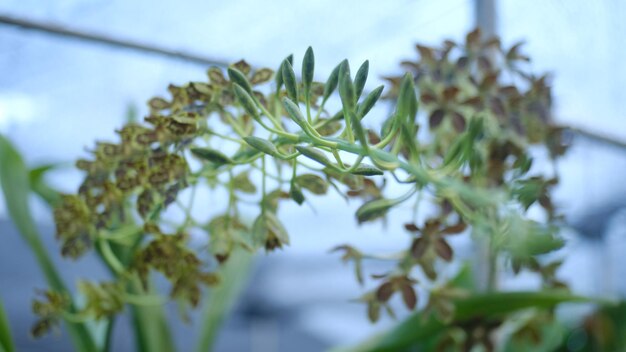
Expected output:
(150, 325)
(220, 299)
(15, 186)
(6, 342)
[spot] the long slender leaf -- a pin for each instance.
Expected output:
(40, 187)
(14, 180)
(152, 333)
(6, 342)
(418, 328)
(220, 299)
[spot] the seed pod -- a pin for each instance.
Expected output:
(261, 144)
(239, 78)
(246, 101)
(294, 112)
(374, 209)
(361, 78)
(289, 78)
(366, 170)
(368, 103)
(358, 128)
(308, 68)
(314, 154)
(211, 155)
(331, 83)
(346, 87)
(296, 193)
(279, 75)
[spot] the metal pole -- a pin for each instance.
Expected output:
(486, 261)
(62, 31)
(485, 17)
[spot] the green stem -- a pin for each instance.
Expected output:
(263, 184)
(109, 257)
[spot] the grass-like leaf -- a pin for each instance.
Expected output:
(419, 329)
(14, 179)
(6, 342)
(220, 299)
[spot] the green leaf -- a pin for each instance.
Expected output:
(308, 69)
(261, 144)
(279, 75)
(331, 83)
(40, 187)
(240, 79)
(152, 333)
(246, 101)
(346, 87)
(289, 78)
(361, 78)
(220, 299)
(418, 328)
(211, 155)
(15, 186)
(6, 342)
(314, 154)
(368, 103)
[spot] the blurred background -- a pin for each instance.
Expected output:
(59, 93)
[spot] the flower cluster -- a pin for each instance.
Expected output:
(474, 166)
